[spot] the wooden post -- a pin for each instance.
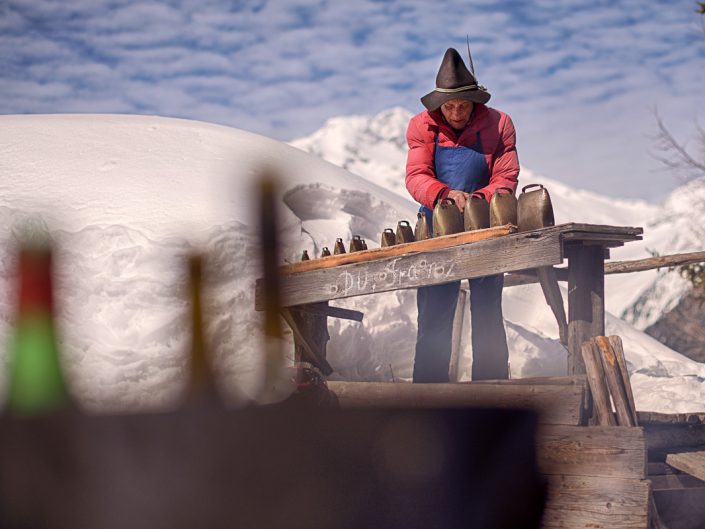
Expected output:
(598, 388)
(552, 292)
(310, 331)
(615, 382)
(457, 334)
(616, 343)
(586, 300)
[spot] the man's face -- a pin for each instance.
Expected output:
(457, 112)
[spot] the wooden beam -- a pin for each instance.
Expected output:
(333, 312)
(458, 319)
(598, 387)
(681, 508)
(397, 250)
(597, 502)
(692, 463)
(552, 295)
(664, 437)
(555, 404)
(615, 382)
(526, 277)
(313, 354)
(662, 261)
(616, 343)
(598, 451)
(488, 257)
(586, 300)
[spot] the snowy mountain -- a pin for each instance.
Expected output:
(125, 197)
(375, 148)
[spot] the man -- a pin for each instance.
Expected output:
(458, 146)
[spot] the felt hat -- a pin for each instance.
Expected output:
(454, 81)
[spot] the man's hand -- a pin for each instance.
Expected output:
(460, 198)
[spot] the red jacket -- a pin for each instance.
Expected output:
(498, 140)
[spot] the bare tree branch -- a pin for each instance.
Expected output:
(676, 157)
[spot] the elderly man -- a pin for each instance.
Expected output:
(456, 147)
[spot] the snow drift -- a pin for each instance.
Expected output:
(125, 197)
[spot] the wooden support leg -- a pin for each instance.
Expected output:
(551, 291)
(457, 334)
(586, 300)
(310, 336)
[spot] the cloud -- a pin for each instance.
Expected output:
(565, 70)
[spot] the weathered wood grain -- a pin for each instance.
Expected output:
(681, 508)
(598, 386)
(458, 319)
(691, 462)
(552, 294)
(615, 382)
(554, 404)
(599, 451)
(570, 380)
(309, 350)
(334, 312)
(665, 437)
(616, 343)
(586, 304)
(512, 252)
(397, 250)
(597, 503)
(655, 417)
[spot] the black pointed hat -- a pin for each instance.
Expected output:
(454, 81)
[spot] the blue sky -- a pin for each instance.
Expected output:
(582, 79)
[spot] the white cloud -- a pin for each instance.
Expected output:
(580, 78)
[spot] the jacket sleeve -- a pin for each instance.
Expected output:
(505, 162)
(421, 181)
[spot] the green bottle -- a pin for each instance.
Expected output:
(36, 383)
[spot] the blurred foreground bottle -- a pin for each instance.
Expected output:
(36, 382)
(201, 384)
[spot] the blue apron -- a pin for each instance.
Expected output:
(461, 168)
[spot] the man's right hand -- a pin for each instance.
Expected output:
(460, 198)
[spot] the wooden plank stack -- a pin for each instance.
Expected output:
(614, 410)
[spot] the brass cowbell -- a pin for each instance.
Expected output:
(422, 231)
(388, 237)
(503, 207)
(446, 218)
(404, 232)
(477, 212)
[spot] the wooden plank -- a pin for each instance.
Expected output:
(598, 387)
(586, 305)
(334, 312)
(512, 252)
(674, 437)
(398, 250)
(555, 404)
(615, 382)
(671, 418)
(570, 380)
(675, 481)
(312, 353)
(526, 277)
(681, 509)
(552, 294)
(597, 503)
(599, 451)
(616, 343)
(458, 319)
(626, 232)
(692, 463)
(650, 263)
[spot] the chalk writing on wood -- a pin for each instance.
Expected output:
(391, 276)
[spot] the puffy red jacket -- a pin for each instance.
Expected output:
(498, 139)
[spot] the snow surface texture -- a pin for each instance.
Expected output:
(126, 197)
